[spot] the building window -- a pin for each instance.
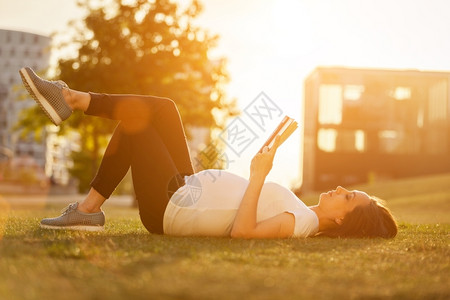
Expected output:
(401, 93)
(360, 141)
(330, 104)
(326, 139)
(389, 141)
(342, 140)
(353, 92)
(398, 142)
(437, 103)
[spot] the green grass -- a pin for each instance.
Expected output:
(125, 262)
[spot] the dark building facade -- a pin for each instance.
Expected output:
(366, 124)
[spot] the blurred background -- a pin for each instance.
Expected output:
(368, 82)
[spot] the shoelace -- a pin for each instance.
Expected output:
(60, 83)
(69, 208)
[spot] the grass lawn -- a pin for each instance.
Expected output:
(125, 262)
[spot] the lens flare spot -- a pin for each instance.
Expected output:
(136, 113)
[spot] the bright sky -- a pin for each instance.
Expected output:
(272, 45)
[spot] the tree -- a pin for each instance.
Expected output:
(141, 47)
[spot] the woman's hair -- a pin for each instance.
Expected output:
(373, 220)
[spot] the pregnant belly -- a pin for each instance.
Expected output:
(186, 221)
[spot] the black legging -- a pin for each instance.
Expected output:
(150, 138)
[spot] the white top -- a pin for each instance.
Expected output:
(207, 204)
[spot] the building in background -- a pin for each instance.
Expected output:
(366, 124)
(18, 49)
(50, 157)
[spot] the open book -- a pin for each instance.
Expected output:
(286, 127)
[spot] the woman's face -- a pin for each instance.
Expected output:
(340, 201)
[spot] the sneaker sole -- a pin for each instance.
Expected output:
(74, 227)
(43, 103)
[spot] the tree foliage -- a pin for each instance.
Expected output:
(141, 47)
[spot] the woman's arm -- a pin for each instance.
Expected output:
(245, 225)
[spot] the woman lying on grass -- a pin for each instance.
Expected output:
(174, 200)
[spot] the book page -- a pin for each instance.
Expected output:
(286, 127)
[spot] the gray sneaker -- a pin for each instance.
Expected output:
(74, 219)
(47, 94)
